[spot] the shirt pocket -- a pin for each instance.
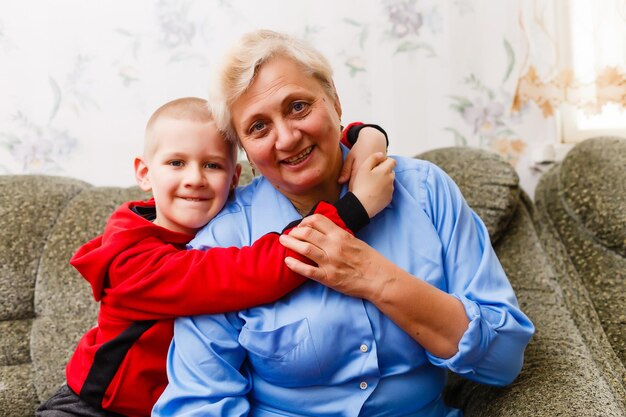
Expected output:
(284, 356)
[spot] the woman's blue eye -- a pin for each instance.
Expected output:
(257, 126)
(298, 106)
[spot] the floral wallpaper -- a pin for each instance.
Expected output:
(80, 78)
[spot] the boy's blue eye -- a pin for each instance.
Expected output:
(212, 165)
(176, 163)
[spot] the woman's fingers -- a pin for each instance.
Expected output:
(319, 223)
(375, 160)
(388, 164)
(301, 244)
(304, 269)
(343, 262)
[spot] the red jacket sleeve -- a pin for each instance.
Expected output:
(344, 134)
(157, 281)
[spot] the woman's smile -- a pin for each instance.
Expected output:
(300, 158)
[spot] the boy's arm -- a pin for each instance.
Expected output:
(363, 140)
(158, 281)
(350, 134)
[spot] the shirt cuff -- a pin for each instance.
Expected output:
(474, 343)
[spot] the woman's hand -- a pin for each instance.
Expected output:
(344, 263)
(435, 319)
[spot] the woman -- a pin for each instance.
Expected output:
(418, 293)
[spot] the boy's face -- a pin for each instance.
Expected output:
(190, 171)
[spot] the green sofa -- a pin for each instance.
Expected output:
(572, 365)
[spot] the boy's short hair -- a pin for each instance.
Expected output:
(193, 109)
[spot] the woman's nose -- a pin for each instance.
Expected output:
(287, 136)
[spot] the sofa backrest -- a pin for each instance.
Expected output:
(581, 205)
(45, 306)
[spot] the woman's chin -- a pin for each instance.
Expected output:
(302, 179)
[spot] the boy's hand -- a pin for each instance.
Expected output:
(370, 141)
(373, 183)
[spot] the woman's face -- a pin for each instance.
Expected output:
(290, 129)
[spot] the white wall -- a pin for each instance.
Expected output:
(79, 78)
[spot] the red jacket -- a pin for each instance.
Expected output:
(144, 277)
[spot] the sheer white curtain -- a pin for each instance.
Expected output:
(575, 53)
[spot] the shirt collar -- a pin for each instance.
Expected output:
(271, 211)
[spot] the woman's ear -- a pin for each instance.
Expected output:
(141, 174)
(336, 102)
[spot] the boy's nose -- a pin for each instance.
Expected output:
(194, 177)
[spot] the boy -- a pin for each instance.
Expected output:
(144, 277)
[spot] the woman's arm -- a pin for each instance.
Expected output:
(475, 328)
(203, 370)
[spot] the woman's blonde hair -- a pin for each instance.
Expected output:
(243, 61)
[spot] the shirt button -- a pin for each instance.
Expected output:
(363, 385)
(364, 348)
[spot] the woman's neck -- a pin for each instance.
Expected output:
(304, 203)
(327, 190)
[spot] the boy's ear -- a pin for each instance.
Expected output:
(235, 180)
(141, 174)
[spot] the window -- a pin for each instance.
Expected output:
(596, 50)
(576, 125)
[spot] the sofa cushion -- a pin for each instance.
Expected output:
(593, 186)
(27, 213)
(17, 395)
(29, 208)
(489, 183)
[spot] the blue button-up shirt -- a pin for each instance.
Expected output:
(317, 352)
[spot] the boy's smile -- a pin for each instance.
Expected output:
(191, 172)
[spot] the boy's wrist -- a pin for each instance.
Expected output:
(352, 212)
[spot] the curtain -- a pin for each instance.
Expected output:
(575, 52)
